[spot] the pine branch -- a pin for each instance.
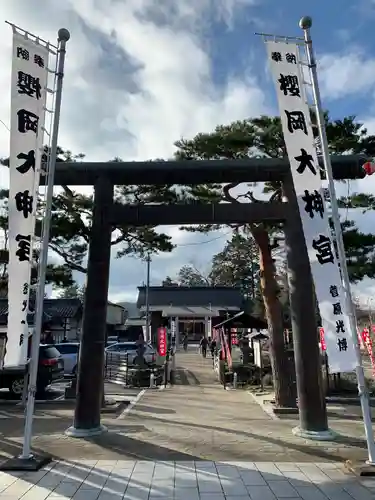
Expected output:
(74, 266)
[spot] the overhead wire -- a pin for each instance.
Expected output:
(197, 243)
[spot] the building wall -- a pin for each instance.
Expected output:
(115, 315)
(71, 329)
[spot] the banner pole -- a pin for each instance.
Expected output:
(63, 37)
(305, 24)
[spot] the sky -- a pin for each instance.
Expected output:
(141, 74)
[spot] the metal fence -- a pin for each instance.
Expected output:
(119, 370)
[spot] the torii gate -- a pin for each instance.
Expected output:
(107, 213)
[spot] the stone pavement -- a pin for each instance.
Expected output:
(190, 480)
(193, 441)
(194, 421)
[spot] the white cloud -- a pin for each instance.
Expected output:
(138, 76)
(346, 74)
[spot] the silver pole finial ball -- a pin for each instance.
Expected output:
(305, 22)
(63, 35)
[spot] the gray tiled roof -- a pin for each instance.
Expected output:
(52, 308)
(176, 296)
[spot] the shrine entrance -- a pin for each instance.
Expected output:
(107, 214)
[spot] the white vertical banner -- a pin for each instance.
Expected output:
(28, 102)
(209, 325)
(173, 330)
(301, 148)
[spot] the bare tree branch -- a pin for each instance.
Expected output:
(73, 265)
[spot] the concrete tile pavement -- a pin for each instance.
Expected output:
(198, 417)
(195, 420)
(185, 480)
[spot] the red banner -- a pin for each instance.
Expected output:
(322, 341)
(162, 341)
(366, 339)
(234, 336)
(227, 350)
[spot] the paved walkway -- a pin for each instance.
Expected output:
(146, 480)
(193, 441)
(194, 420)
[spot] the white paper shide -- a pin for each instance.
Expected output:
(300, 145)
(28, 101)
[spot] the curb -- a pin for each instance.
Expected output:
(132, 404)
(265, 407)
(347, 400)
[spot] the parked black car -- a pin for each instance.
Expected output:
(50, 368)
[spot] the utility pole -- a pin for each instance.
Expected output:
(148, 334)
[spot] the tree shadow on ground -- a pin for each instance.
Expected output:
(182, 377)
(136, 481)
(311, 450)
(158, 409)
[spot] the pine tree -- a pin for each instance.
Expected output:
(263, 137)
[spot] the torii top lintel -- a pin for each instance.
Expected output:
(194, 171)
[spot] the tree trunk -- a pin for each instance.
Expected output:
(281, 369)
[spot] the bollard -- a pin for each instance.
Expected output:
(235, 380)
(165, 373)
(152, 380)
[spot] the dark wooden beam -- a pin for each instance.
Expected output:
(193, 171)
(223, 213)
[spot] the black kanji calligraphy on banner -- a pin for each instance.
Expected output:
(337, 309)
(276, 56)
(25, 288)
(305, 160)
(291, 58)
(340, 327)
(39, 61)
(323, 248)
(28, 163)
(29, 85)
(333, 290)
(22, 338)
(24, 203)
(289, 85)
(342, 344)
(314, 203)
(24, 305)
(296, 121)
(23, 53)
(27, 121)
(24, 246)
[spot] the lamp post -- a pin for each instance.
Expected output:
(148, 260)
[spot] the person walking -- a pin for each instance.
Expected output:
(203, 346)
(185, 341)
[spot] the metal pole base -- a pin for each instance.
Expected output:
(327, 435)
(85, 433)
(32, 463)
(361, 469)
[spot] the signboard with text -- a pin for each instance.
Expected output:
(162, 341)
(28, 102)
(300, 145)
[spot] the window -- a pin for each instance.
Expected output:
(49, 352)
(113, 348)
(67, 348)
(127, 347)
